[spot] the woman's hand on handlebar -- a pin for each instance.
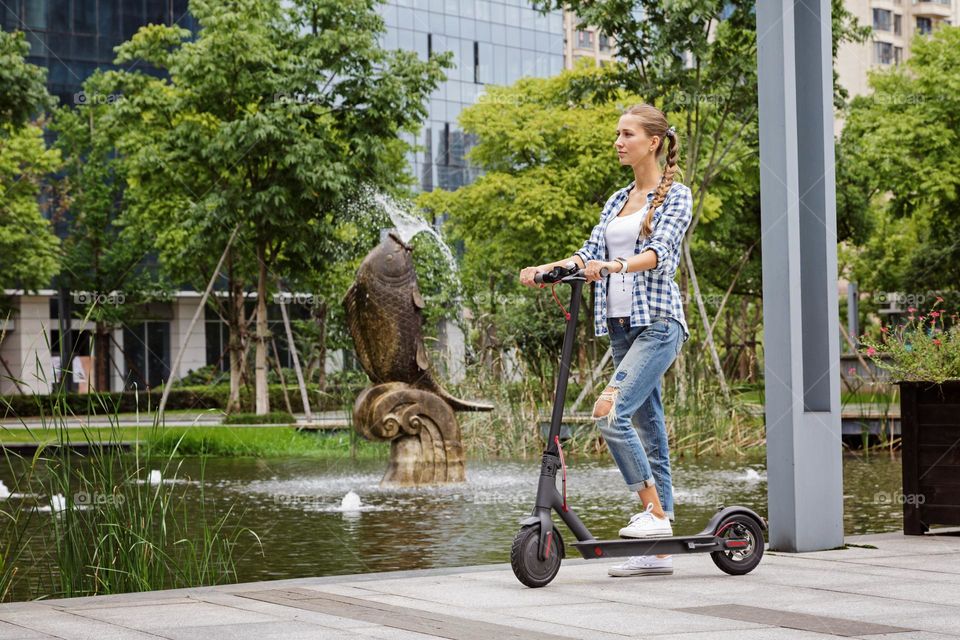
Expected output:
(527, 274)
(593, 267)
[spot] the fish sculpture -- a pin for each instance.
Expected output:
(384, 313)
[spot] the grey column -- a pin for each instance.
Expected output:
(800, 312)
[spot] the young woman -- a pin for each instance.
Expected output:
(638, 305)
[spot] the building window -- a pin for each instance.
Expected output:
(585, 39)
(882, 53)
(897, 24)
(924, 25)
(897, 55)
(881, 19)
(606, 43)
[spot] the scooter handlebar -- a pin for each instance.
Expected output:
(557, 274)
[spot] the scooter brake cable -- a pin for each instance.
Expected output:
(553, 290)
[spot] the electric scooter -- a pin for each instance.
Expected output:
(733, 537)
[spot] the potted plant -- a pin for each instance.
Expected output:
(923, 356)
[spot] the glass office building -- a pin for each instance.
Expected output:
(72, 38)
(493, 42)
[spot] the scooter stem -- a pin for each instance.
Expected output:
(566, 355)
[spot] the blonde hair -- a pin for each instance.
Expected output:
(654, 123)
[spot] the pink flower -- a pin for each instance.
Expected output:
(911, 309)
(852, 371)
(871, 351)
(937, 342)
(934, 314)
(939, 299)
(883, 329)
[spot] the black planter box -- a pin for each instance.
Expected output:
(930, 433)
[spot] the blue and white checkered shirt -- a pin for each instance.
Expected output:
(655, 294)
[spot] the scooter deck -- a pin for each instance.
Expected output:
(653, 546)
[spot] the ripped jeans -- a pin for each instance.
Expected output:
(634, 429)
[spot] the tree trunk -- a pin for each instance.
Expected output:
(711, 347)
(101, 360)
(235, 345)
(263, 334)
(320, 318)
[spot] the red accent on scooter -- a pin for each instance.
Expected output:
(563, 467)
(598, 551)
(736, 544)
(549, 539)
(566, 314)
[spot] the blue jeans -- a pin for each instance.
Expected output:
(634, 430)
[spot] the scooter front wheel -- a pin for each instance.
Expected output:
(525, 557)
(738, 562)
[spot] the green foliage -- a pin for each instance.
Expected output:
(902, 144)
(23, 86)
(925, 348)
(29, 250)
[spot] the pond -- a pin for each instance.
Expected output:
(294, 506)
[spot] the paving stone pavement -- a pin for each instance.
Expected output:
(907, 588)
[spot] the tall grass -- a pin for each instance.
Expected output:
(699, 421)
(111, 529)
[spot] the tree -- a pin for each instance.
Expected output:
(29, 250)
(696, 60)
(268, 121)
(548, 170)
(901, 143)
(101, 257)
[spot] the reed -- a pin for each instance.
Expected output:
(105, 522)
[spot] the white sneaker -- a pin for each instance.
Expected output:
(647, 525)
(643, 566)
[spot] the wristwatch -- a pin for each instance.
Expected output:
(623, 264)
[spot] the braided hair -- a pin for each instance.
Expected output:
(654, 123)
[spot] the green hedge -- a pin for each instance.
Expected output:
(199, 398)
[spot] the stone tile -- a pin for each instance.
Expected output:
(283, 612)
(617, 619)
(10, 631)
(167, 616)
(285, 630)
(75, 627)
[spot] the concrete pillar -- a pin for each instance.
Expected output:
(26, 347)
(798, 222)
(195, 354)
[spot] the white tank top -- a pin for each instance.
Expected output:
(622, 233)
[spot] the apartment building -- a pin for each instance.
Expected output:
(895, 24)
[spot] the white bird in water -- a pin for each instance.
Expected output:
(155, 477)
(4, 492)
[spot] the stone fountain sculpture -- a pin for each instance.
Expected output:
(405, 405)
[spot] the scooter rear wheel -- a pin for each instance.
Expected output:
(738, 562)
(525, 557)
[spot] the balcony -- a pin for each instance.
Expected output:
(933, 9)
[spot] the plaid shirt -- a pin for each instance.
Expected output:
(655, 294)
